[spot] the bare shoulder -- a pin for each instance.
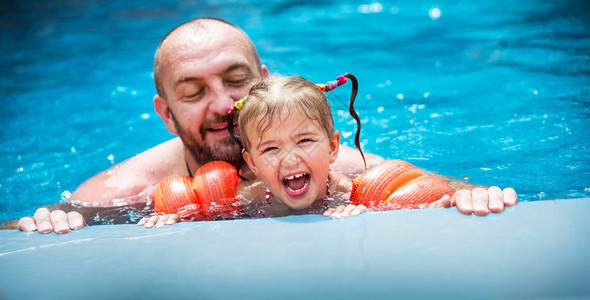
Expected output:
(160, 161)
(131, 177)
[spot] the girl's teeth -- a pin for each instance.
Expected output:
(294, 176)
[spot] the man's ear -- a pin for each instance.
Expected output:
(162, 109)
(263, 71)
(248, 158)
(334, 145)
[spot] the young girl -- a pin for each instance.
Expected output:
(288, 142)
(288, 139)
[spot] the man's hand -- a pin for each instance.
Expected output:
(58, 221)
(479, 201)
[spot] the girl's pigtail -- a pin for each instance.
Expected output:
(352, 111)
(338, 82)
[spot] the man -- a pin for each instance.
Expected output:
(200, 68)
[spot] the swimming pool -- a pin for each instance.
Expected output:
(495, 91)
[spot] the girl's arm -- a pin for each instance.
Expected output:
(342, 184)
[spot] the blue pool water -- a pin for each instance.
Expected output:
(496, 92)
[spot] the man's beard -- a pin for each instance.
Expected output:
(226, 149)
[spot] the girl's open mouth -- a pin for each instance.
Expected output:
(296, 185)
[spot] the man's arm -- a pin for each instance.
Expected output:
(130, 178)
(124, 184)
(469, 198)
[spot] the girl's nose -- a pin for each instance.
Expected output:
(291, 159)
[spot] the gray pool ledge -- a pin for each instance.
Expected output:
(537, 249)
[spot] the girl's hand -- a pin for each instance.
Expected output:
(343, 211)
(159, 221)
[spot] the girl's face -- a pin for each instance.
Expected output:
(293, 158)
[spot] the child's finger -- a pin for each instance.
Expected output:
(173, 219)
(445, 201)
(359, 209)
(162, 221)
(337, 211)
(142, 221)
(329, 212)
(151, 221)
(348, 210)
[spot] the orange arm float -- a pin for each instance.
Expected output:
(397, 184)
(173, 193)
(209, 195)
(215, 184)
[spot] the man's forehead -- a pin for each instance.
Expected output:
(202, 33)
(216, 54)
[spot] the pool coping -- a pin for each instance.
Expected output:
(536, 249)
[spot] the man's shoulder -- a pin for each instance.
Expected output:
(131, 177)
(161, 160)
(170, 147)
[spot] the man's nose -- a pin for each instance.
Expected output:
(221, 99)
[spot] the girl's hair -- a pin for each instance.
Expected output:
(275, 98)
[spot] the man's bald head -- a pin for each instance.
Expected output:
(195, 27)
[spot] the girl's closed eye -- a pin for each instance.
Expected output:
(269, 150)
(305, 141)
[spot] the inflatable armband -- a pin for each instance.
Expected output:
(209, 195)
(172, 193)
(397, 184)
(215, 184)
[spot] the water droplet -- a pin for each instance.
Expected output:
(376, 8)
(65, 195)
(434, 13)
